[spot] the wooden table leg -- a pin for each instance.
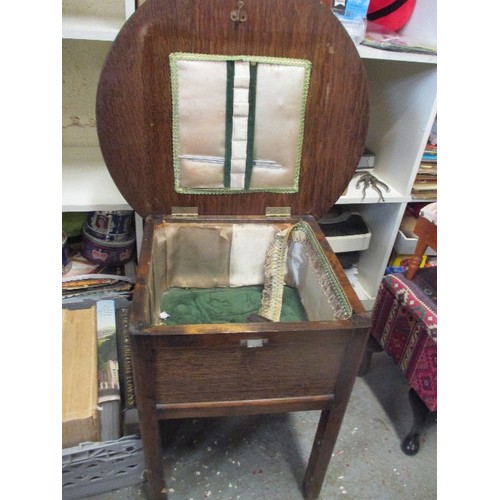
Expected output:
(148, 422)
(151, 440)
(324, 443)
(331, 419)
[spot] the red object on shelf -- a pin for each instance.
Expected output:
(392, 14)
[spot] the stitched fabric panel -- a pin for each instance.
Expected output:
(237, 123)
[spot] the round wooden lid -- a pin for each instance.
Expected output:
(134, 99)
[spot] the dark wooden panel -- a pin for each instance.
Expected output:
(134, 102)
(287, 365)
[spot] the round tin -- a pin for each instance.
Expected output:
(110, 226)
(111, 253)
(66, 259)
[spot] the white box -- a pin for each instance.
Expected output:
(351, 243)
(406, 246)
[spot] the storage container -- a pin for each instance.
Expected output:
(111, 253)
(230, 127)
(113, 226)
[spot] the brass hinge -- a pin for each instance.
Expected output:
(183, 212)
(278, 212)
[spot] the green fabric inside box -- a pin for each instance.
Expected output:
(188, 306)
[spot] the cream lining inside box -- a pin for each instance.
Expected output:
(238, 122)
(228, 255)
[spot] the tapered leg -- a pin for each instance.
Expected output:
(151, 440)
(371, 347)
(324, 443)
(148, 421)
(331, 419)
(411, 443)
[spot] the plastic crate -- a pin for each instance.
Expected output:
(98, 467)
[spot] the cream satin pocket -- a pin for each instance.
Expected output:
(237, 122)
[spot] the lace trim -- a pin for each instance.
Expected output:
(274, 273)
(274, 276)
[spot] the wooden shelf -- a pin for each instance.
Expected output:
(354, 195)
(86, 182)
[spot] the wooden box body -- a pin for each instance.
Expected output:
(211, 368)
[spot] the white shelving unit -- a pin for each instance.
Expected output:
(403, 105)
(402, 110)
(94, 19)
(88, 28)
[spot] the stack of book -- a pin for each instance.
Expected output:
(425, 184)
(87, 280)
(381, 37)
(98, 385)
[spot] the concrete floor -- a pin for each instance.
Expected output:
(264, 457)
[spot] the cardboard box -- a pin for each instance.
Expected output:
(80, 420)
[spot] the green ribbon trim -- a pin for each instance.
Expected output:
(343, 306)
(229, 123)
(252, 99)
